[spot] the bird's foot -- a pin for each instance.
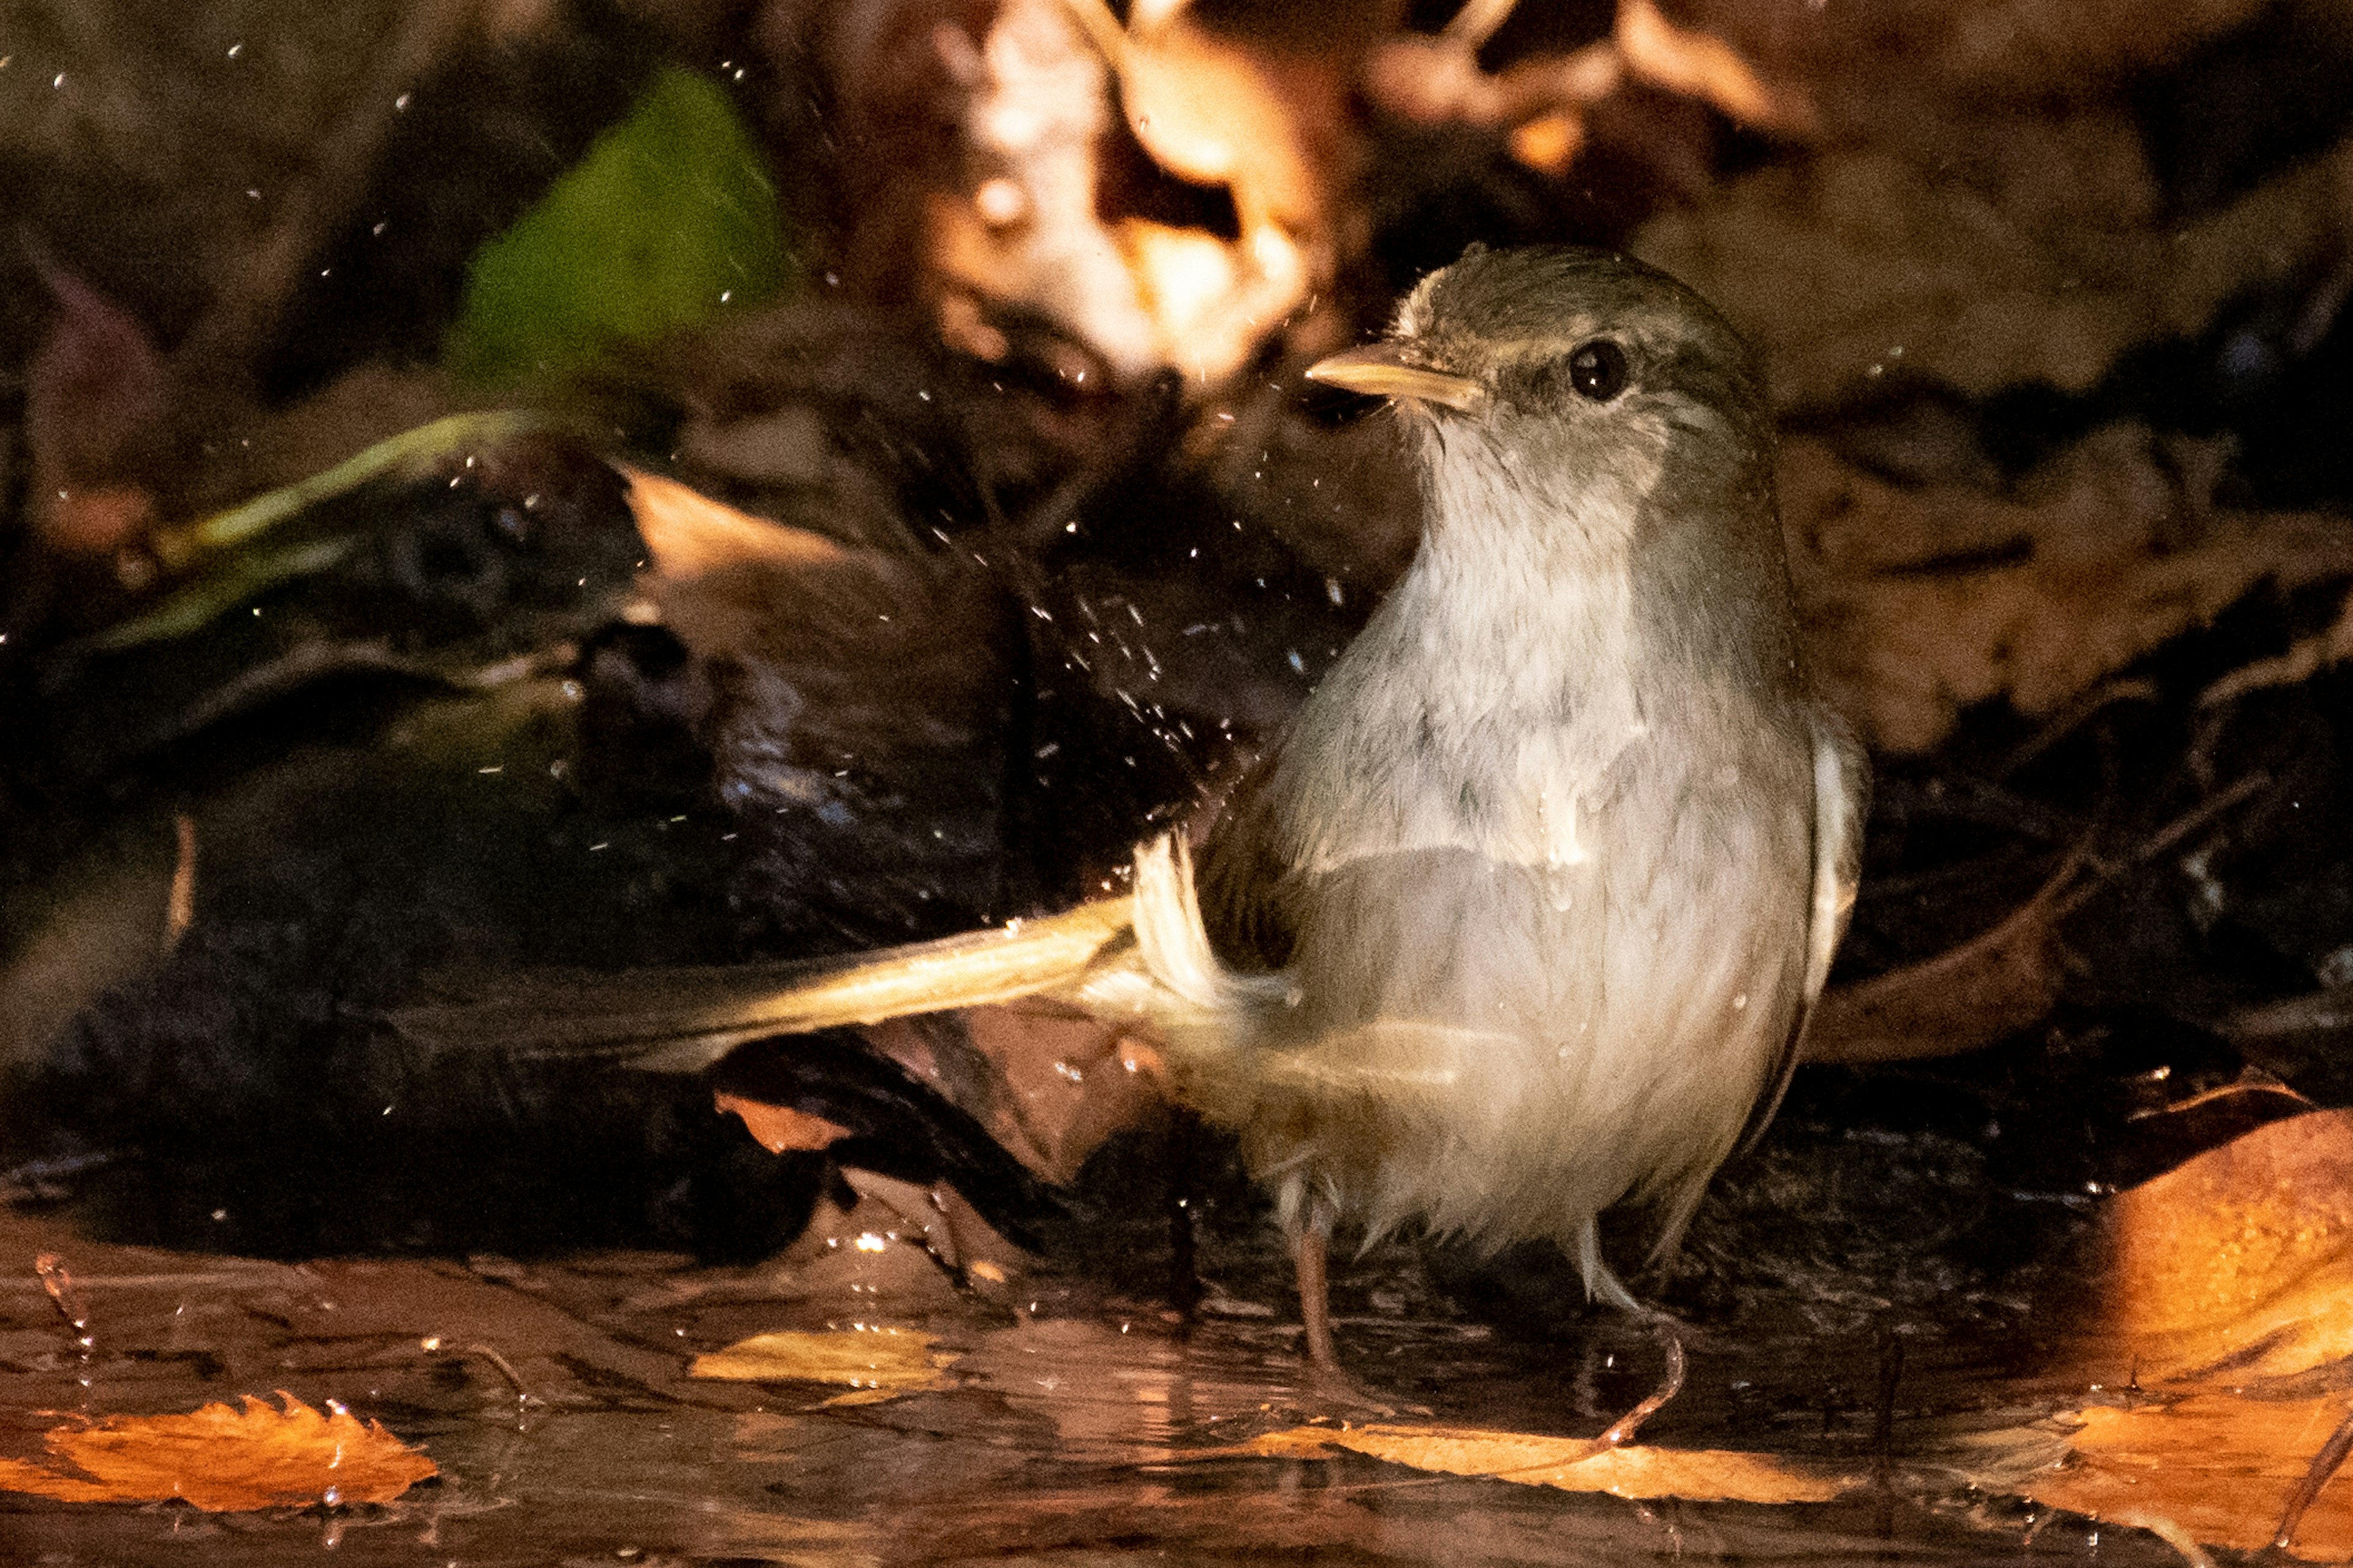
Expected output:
(1326, 1390)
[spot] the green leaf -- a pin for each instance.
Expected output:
(669, 218)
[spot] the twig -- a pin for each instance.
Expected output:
(2324, 1464)
(179, 909)
(2245, 1084)
(1473, 25)
(2074, 716)
(1891, 1378)
(2201, 815)
(2305, 658)
(523, 1393)
(1622, 1431)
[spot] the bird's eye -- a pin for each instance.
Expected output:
(1597, 369)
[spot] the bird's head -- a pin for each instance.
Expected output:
(1562, 377)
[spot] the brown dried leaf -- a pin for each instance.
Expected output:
(875, 1363)
(223, 1459)
(953, 1232)
(1920, 602)
(1860, 55)
(690, 535)
(2219, 1466)
(1047, 1079)
(1572, 1464)
(2235, 1264)
(1699, 64)
(1044, 211)
(2050, 260)
(1971, 996)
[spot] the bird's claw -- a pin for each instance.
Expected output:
(1328, 1391)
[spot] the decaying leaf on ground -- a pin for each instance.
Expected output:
(2237, 1266)
(1921, 601)
(1574, 1464)
(1049, 1079)
(2222, 1326)
(1612, 1462)
(2218, 1468)
(1075, 145)
(777, 1128)
(1986, 245)
(1983, 991)
(224, 1459)
(1542, 101)
(876, 1362)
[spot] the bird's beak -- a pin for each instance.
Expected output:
(1380, 370)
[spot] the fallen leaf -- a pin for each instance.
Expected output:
(2219, 1466)
(1862, 263)
(1044, 218)
(876, 1364)
(224, 1459)
(1047, 1079)
(690, 535)
(578, 275)
(1984, 990)
(953, 1231)
(2239, 1261)
(1572, 1464)
(1698, 64)
(777, 1128)
(2237, 1266)
(1921, 601)
(93, 392)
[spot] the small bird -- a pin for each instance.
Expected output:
(1522, 918)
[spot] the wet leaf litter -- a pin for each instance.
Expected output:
(632, 1371)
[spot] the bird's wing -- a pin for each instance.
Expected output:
(685, 1019)
(1244, 880)
(1841, 801)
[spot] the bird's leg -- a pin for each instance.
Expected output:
(1332, 1385)
(1312, 1258)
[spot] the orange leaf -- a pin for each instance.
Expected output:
(2242, 1258)
(223, 1459)
(689, 535)
(876, 1364)
(1572, 1464)
(777, 1128)
(2218, 1467)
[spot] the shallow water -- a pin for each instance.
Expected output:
(1076, 1426)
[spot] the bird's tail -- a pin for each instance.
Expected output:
(1145, 958)
(683, 1019)
(1188, 983)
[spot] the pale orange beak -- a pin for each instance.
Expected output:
(1380, 370)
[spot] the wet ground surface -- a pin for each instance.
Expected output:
(1075, 1426)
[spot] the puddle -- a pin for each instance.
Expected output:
(1071, 1424)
